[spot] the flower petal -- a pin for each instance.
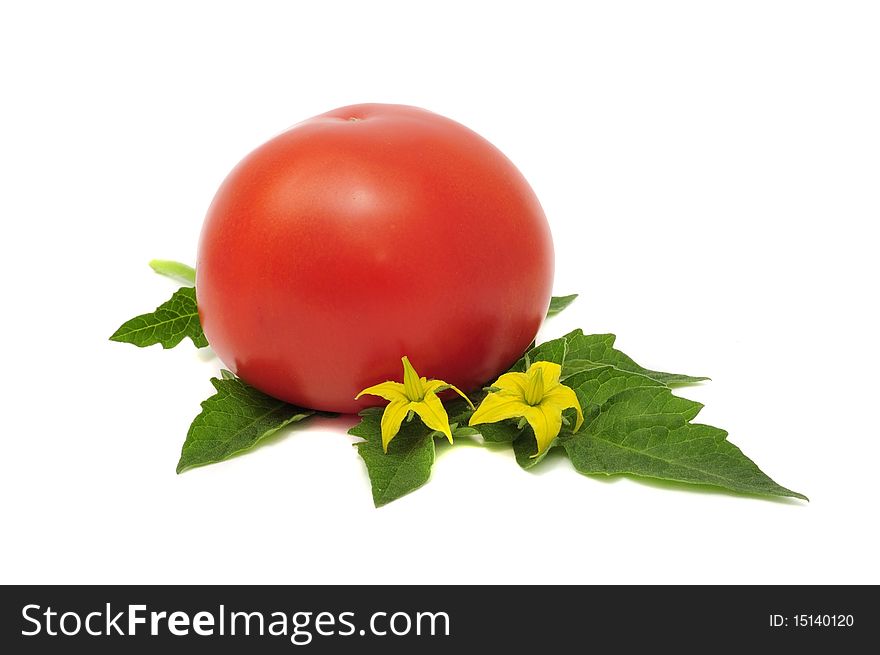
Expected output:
(434, 385)
(549, 371)
(413, 386)
(388, 390)
(516, 383)
(561, 397)
(546, 423)
(392, 417)
(499, 406)
(431, 410)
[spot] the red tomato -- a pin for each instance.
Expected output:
(365, 234)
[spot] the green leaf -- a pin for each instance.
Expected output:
(168, 324)
(558, 303)
(407, 464)
(525, 445)
(502, 432)
(574, 366)
(175, 270)
(577, 351)
(460, 413)
(234, 420)
(600, 348)
(647, 432)
(594, 386)
(555, 351)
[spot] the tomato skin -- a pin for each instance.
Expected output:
(365, 234)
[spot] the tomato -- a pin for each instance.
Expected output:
(365, 234)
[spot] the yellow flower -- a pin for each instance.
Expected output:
(537, 396)
(417, 395)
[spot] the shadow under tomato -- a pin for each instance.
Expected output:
(206, 354)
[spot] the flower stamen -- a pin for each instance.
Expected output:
(413, 386)
(535, 389)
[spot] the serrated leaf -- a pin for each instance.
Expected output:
(168, 324)
(577, 351)
(558, 303)
(599, 348)
(407, 464)
(233, 420)
(594, 386)
(647, 432)
(175, 270)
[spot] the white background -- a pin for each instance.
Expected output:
(710, 171)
